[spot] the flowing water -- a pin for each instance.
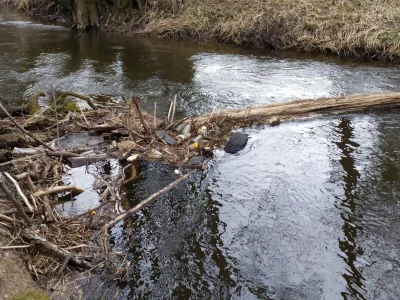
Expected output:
(308, 210)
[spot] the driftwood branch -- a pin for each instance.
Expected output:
(16, 203)
(26, 201)
(82, 97)
(138, 207)
(58, 189)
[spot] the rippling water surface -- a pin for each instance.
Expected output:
(308, 210)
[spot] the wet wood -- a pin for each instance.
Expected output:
(59, 189)
(311, 107)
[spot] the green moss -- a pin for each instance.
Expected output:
(70, 106)
(36, 295)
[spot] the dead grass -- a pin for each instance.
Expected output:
(367, 28)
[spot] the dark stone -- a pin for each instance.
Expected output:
(237, 142)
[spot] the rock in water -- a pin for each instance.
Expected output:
(237, 142)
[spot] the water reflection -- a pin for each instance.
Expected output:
(349, 211)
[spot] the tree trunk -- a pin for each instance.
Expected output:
(86, 14)
(142, 6)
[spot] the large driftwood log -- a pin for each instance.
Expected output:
(307, 108)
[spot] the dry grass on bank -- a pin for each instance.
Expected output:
(368, 28)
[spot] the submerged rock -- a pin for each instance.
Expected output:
(237, 142)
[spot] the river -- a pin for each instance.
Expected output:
(308, 210)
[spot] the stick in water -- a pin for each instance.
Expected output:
(155, 115)
(139, 207)
(173, 109)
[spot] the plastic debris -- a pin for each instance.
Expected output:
(155, 154)
(132, 157)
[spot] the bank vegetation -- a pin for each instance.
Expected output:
(358, 28)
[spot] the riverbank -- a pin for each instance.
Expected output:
(365, 29)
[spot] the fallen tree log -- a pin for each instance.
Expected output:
(307, 108)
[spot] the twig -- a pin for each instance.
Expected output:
(45, 172)
(134, 209)
(56, 179)
(58, 129)
(140, 114)
(15, 247)
(173, 109)
(155, 115)
(6, 219)
(16, 203)
(25, 175)
(19, 191)
(58, 189)
(34, 201)
(47, 209)
(176, 123)
(170, 110)
(84, 117)
(23, 130)
(85, 98)
(64, 264)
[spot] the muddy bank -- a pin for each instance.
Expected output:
(349, 29)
